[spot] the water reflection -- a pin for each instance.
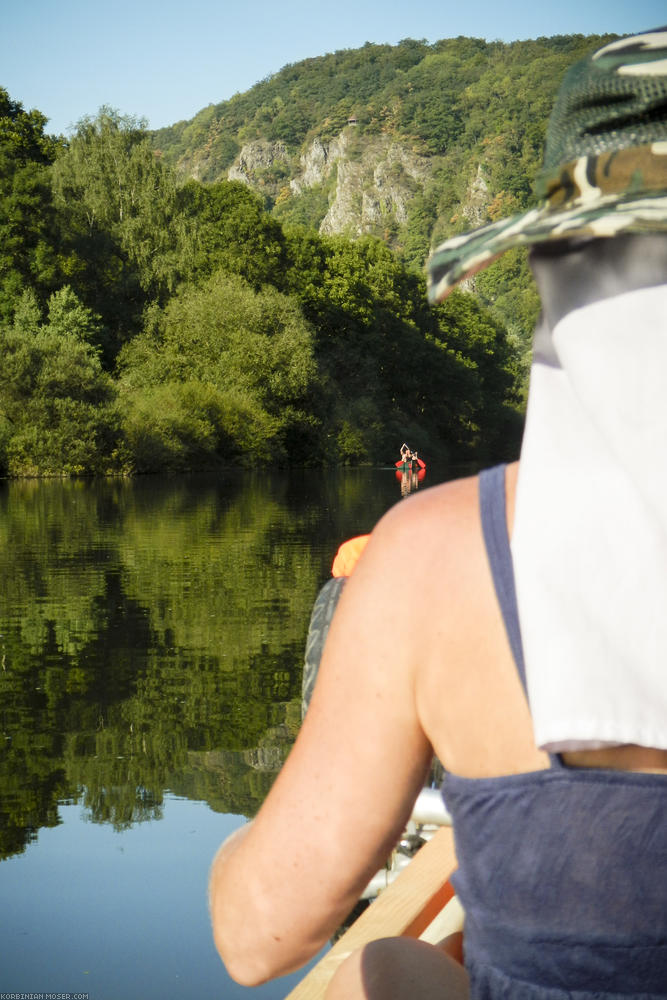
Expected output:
(410, 480)
(118, 915)
(151, 647)
(151, 637)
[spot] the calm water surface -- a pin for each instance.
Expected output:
(151, 648)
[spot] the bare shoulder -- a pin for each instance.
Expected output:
(420, 528)
(420, 617)
(441, 511)
(422, 548)
(417, 584)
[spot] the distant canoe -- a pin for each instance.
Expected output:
(407, 466)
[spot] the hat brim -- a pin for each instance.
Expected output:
(463, 256)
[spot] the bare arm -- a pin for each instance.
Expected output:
(417, 659)
(281, 888)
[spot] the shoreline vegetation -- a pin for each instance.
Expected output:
(151, 322)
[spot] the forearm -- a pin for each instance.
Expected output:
(261, 927)
(234, 932)
(281, 886)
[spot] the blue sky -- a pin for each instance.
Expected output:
(164, 60)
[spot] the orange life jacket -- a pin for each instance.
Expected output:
(348, 555)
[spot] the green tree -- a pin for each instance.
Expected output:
(390, 363)
(28, 237)
(489, 409)
(225, 372)
(233, 232)
(56, 402)
(119, 212)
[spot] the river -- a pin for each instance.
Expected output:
(151, 649)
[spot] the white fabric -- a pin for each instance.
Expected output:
(589, 542)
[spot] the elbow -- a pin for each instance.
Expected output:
(244, 969)
(250, 964)
(238, 950)
(252, 954)
(234, 928)
(249, 955)
(251, 928)
(236, 945)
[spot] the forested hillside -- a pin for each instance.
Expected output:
(155, 315)
(443, 137)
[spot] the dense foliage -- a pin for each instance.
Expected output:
(152, 321)
(150, 325)
(433, 94)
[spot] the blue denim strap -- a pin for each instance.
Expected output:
(493, 514)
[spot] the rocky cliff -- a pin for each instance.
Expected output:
(366, 184)
(407, 142)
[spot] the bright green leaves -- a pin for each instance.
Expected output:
(120, 219)
(57, 412)
(27, 234)
(22, 133)
(28, 256)
(225, 376)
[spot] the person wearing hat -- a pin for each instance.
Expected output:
(535, 665)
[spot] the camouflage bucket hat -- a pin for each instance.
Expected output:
(605, 163)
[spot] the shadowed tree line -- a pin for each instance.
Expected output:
(147, 324)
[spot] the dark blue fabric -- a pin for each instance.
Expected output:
(563, 872)
(493, 515)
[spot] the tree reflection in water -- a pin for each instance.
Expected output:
(152, 634)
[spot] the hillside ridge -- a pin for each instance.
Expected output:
(411, 143)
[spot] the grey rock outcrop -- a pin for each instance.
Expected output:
(375, 189)
(475, 209)
(477, 200)
(373, 177)
(256, 156)
(317, 163)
